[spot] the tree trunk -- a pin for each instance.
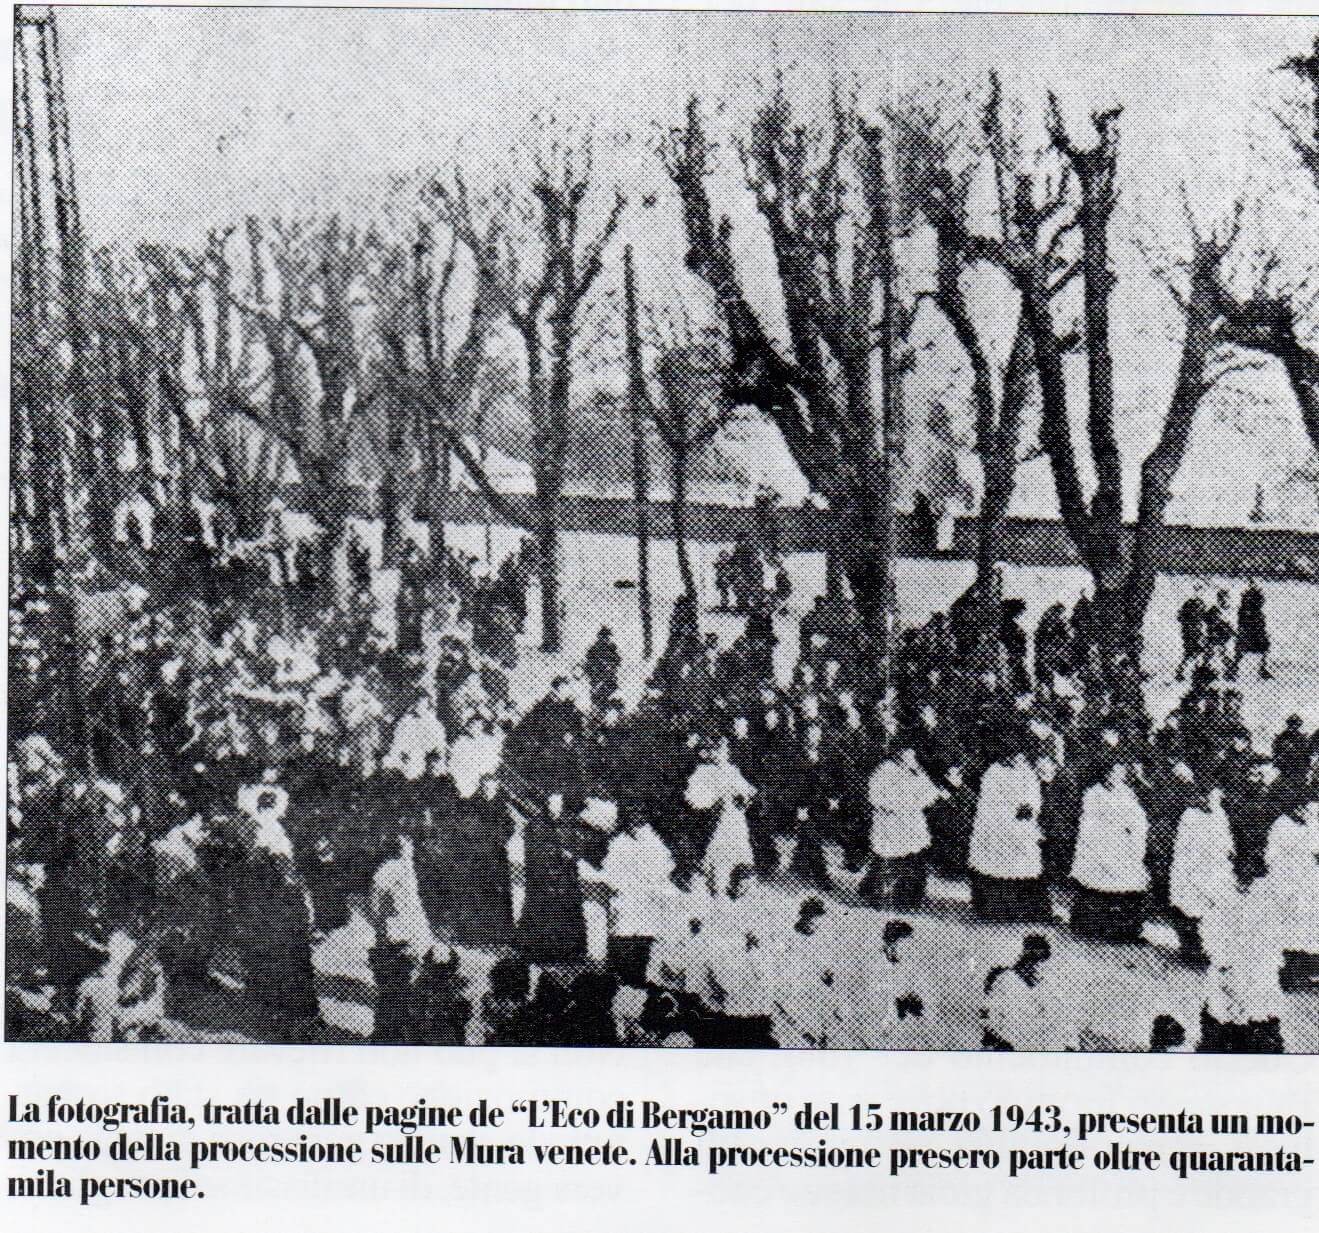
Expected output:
(391, 518)
(989, 549)
(482, 454)
(861, 559)
(1113, 620)
(641, 493)
(884, 620)
(45, 486)
(551, 633)
(1155, 494)
(391, 530)
(861, 563)
(332, 514)
(1159, 471)
(439, 526)
(833, 566)
(680, 464)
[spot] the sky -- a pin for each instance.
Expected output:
(185, 118)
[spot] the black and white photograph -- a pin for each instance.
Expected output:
(666, 529)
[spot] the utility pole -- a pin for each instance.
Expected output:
(890, 394)
(640, 411)
(51, 401)
(33, 427)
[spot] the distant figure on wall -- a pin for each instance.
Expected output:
(925, 525)
(1252, 630)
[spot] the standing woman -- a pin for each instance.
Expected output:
(1109, 864)
(1289, 893)
(1005, 855)
(1243, 1001)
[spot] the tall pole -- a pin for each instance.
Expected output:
(49, 401)
(890, 377)
(640, 405)
(33, 426)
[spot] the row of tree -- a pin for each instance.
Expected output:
(308, 346)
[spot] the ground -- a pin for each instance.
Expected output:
(595, 565)
(1116, 990)
(1119, 989)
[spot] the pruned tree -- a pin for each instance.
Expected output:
(203, 359)
(1209, 354)
(693, 408)
(1038, 251)
(304, 280)
(435, 317)
(536, 248)
(829, 199)
(1277, 320)
(1002, 389)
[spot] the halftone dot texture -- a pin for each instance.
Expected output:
(495, 494)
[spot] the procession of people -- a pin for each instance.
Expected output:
(730, 859)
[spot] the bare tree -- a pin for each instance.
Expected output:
(1000, 391)
(1036, 253)
(538, 251)
(435, 344)
(1208, 356)
(204, 359)
(828, 197)
(304, 279)
(694, 407)
(1273, 321)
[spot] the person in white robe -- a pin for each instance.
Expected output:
(644, 903)
(1202, 880)
(394, 904)
(362, 714)
(900, 793)
(295, 663)
(1243, 1000)
(601, 816)
(734, 986)
(124, 998)
(474, 755)
(1005, 856)
(265, 805)
(419, 741)
(1289, 892)
(138, 511)
(175, 852)
(1108, 866)
(716, 783)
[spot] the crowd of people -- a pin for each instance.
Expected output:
(732, 859)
